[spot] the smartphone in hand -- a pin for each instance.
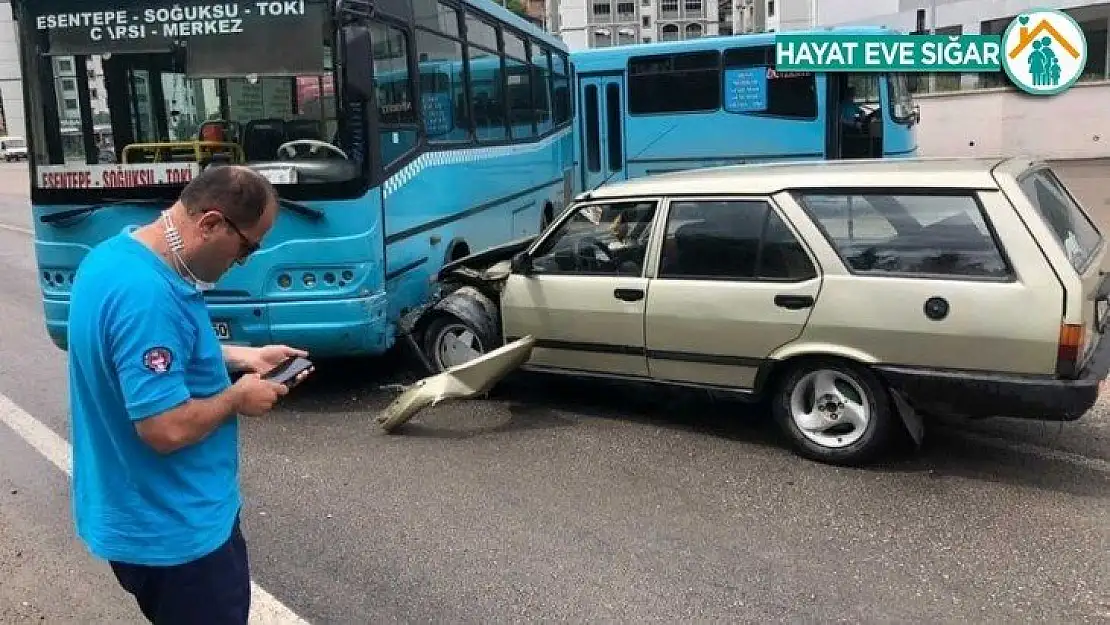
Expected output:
(286, 373)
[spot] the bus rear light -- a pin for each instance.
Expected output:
(1069, 349)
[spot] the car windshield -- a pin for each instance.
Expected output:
(142, 97)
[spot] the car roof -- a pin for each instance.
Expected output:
(770, 178)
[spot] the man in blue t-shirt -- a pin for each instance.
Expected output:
(154, 412)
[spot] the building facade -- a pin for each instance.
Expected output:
(586, 24)
(11, 81)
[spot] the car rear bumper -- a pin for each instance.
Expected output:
(978, 394)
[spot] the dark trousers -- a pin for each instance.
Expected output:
(214, 590)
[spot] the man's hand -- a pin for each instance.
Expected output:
(254, 396)
(259, 360)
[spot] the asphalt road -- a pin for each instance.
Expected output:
(586, 503)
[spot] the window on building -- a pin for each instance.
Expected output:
(1095, 33)
(674, 83)
(693, 31)
(669, 32)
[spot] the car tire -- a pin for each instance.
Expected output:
(445, 338)
(821, 404)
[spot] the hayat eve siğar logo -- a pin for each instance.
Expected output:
(1044, 52)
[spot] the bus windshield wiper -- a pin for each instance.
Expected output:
(84, 210)
(297, 207)
(301, 209)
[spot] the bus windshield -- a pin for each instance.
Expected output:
(128, 96)
(901, 99)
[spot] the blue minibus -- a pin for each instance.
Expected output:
(400, 134)
(653, 108)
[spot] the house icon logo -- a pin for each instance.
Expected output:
(1044, 52)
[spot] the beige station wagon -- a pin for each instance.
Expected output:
(852, 296)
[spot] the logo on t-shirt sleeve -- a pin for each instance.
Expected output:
(158, 359)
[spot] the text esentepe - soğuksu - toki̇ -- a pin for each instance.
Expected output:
(175, 21)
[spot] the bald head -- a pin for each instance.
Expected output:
(240, 193)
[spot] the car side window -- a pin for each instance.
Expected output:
(915, 234)
(731, 240)
(599, 239)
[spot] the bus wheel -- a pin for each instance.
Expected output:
(449, 341)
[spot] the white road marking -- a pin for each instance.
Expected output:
(265, 609)
(19, 229)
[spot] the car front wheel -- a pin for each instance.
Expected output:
(834, 411)
(449, 341)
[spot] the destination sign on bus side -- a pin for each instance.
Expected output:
(173, 22)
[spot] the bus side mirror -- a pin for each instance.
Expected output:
(356, 59)
(521, 264)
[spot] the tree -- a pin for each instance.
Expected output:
(517, 6)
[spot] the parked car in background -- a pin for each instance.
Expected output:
(849, 296)
(13, 148)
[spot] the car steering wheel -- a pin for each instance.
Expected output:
(315, 145)
(591, 261)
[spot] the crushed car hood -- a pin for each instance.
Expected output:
(487, 259)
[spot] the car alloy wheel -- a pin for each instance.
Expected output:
(834, 411)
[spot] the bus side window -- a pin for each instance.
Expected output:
(396, 112)
(560, 105)
(541, 86)
(788, 94)
(674, 83)
(487, 92)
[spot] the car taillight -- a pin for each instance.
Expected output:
(1069, 350)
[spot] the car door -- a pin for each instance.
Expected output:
(733, 283)
(583, 297)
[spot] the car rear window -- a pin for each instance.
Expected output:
(1076, 235)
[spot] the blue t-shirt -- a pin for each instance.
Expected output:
(140, 343)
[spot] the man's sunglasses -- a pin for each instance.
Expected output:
(248, 247)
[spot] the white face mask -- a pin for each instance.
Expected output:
(173, 239)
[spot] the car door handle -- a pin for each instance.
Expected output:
(629, 295)
(793, 302)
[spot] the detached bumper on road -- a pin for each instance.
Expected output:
(978, 394)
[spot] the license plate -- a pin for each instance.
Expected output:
(223, 330)
(278, 175)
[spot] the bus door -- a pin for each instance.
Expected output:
(602, 130)
(855, 115)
